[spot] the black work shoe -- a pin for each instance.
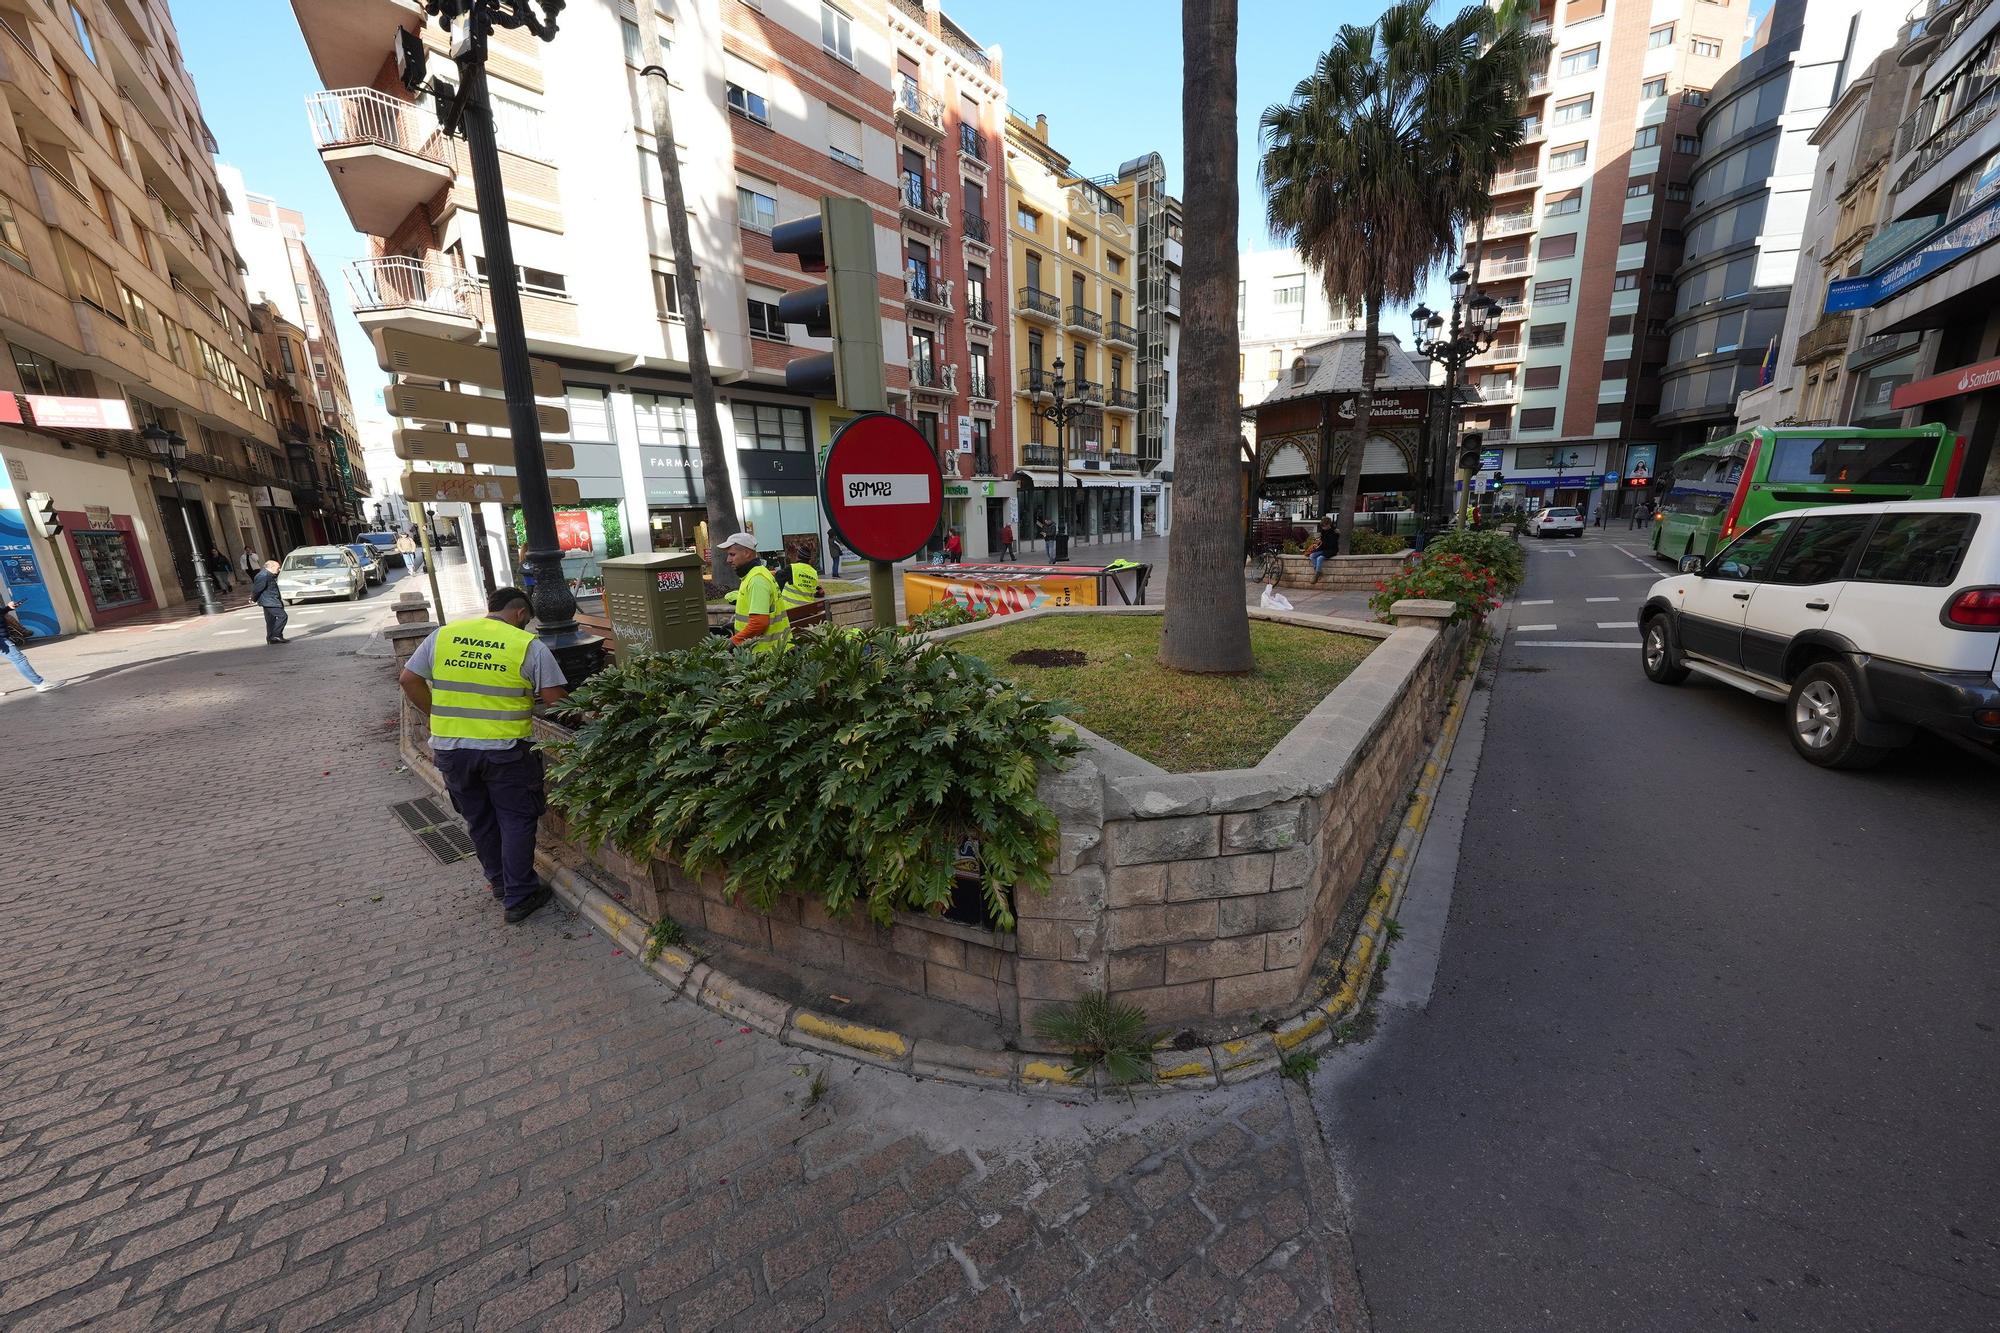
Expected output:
(499, 894)
(529, 905)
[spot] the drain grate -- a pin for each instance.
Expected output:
(440, 833)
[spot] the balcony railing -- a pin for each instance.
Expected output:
(1975, 113)
(975, 227)
(398, 282)
(1082, 317)
(979, 384)
(1505, 268)
(979, 310)
(1828, 337)
(972, 145)
(1510, 223)
(1118, 331)
(1514, 310)
(1085, 391)
(921, 288)
(1036, 380)
(359, 117)
(1497, 391)
(917, 108)
(1125, 398)
(1517, 180)
(1531, 129)
(1033, 301)
(932, 206)
(1499, 352)
(984, 465)
(929, 377)
(1041, 455)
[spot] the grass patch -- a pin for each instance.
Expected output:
(1183, 723)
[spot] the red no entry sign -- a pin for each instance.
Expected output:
(882, 490)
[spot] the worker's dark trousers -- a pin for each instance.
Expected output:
(499, 792)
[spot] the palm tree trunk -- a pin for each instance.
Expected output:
(719, 497)
(1364, 412)
(1207, 626)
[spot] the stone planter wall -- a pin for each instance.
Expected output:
(1342, 573)
(843, 609)
(1204, 898)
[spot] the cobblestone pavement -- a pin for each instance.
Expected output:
(263, 1064)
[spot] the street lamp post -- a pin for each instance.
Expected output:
(1474, 320)
(1060, 412)
(171, 448)
(1565, 460)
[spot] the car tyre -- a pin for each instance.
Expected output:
(1823, 717)
(1660, 652)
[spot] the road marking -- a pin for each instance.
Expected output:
(161, 629)
(232, 631)
(1614, 624)
(1600, 599)
(1538, 601)
(1574, 643)
(1533, 629)
(1654, 577)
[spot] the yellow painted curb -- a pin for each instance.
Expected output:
(876, 1041)
(1041, 1071)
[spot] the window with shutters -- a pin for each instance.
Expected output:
(1638, 189)
(747, 85)
(628, 24)
(1569, 157)
(1653, 88)
(518, 127)
(1618, 369)
(1558, 205)
(1552, 293)
(90, 278)
(1538, 418)
(1677, 192)
(1705, 46)
(1661, 36)
(1625, 282)
(843, 137)
(1610, 411)
(756, 204)
(1547, 335)
(1632, 233)
(1580, 61)
(1576, 109)
(1580, 11)
(1558, 247)
(1619, 326)
(1543, 377)
(764, 321)
(836, 32)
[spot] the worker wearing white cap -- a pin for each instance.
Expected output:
(761, 618)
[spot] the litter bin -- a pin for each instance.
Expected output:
(655, 602)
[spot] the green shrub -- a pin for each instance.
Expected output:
(1445, 576)
(1369, 542)
(850, 768)
(945, 614)
(1498, 551)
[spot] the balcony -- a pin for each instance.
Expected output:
(1498, 390)
(925, 294)
(1827, 338)
(1531, 130)
(980, 385)
(1526, 178)
(976, 230)
(979, 310)
(1495, 269)
(933, 380)
(349, 39)
(1174, 301)
(925, 207)
(1083, 319)
(917, 111)
(1041, 455)
(1036, 304)
(432, 296)
(1513, 310)
(1488, 435)
(1498, 354)
(1084, 391)
(1121, 460)
(1122, 400)
(1118, 331)
(386, 156)
(971, 147)
(1036, 382)
(1509, 224)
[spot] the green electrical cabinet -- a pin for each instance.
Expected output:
(655, 602)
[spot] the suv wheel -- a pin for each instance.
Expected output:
(1823, 713)
(1660, 653)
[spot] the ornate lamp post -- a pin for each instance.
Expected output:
(1474, 320)
(171, 448)
(1565, 460)
(1060, 413)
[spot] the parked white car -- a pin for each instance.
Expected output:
(1557, 521)
(1867, 621)
(321, 571)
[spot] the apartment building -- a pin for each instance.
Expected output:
(1583, 241)
(1924, 292)
(950, 110)
(1281, 310)
(1141, 188)
(122, 303)
(1074, 244)
(773, 106)
(1752, 189)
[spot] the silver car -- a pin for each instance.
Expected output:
(321, 571)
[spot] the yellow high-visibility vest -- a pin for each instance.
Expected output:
(778, 635)
(479, 683)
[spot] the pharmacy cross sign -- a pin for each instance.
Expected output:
(881, 487)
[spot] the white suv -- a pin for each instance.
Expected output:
(1867, 621)
(1558, 521)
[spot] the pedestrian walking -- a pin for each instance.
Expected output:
(250, 563)
(833, 554)
(219, 568)
(954, 548)
(1047, 532)
(264, 592)
(477, 681)
(413, 554)
(12, 635)
(1007, 541)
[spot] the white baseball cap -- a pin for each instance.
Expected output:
(742, 539)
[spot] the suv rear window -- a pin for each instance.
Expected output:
(1923, 549)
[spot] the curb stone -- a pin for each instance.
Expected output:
(1229, 1062)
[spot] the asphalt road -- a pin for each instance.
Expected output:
(1712, 1039)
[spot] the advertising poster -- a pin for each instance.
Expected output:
(1001, 589)
(20, 569)
(573, 530)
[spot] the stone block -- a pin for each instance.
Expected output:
(874, 962)
(810, 948)
(1131, 842)
(991, 963)
(1041, 980)
(1205, 959)
(1075, 793)
(948, 983)
(1162, 797)
(961, 1064)
(685, 908)
(1187, 1002)
(1062, 941)
(1282, 911)
(1237, 916)
(931, 948)
(1296, 867)
(1271, 829)
(855, 925)
(1077, 845)
(1185, 1069)
(626, 869)
(1285, 948)
(747, 1004)
(737, 923)
(1137, 969)
(1076, 895)
(1256, 991)
(1219, 877)
(1139, 927)
(1137, 886)
(645, 900)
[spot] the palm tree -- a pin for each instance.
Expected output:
(1207, 627)
(1383, 154)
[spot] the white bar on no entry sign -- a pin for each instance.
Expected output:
(889, 488)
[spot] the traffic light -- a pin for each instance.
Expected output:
(42, 513)
(840, 243)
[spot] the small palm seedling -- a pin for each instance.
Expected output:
(1100, 1033)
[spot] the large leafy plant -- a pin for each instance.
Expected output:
(1473, 589)
(851, 767)
(1498, 551)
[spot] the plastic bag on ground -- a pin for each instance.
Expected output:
(1273, 600)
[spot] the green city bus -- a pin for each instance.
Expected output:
(1721, 488)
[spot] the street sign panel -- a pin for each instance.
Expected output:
(450, 446)
(406, 400)
(404, 353)
(881, 487)
(453, 487)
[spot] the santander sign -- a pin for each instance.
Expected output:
(1966, 379)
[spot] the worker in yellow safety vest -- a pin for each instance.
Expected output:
(762, 619)
(477, 681)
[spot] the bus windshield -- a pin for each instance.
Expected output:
(1892, 460)
(1703, 482)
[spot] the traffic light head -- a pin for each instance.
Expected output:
(839, 243)
(42, 514)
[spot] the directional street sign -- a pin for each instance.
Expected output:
(449, 487)
(881, 486)
(450, 446)
(406, 400)
(403, 353)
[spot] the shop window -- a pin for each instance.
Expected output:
(769, 426)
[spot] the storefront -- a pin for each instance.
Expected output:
(110, 554)
(111, 573)
(1098, 509)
